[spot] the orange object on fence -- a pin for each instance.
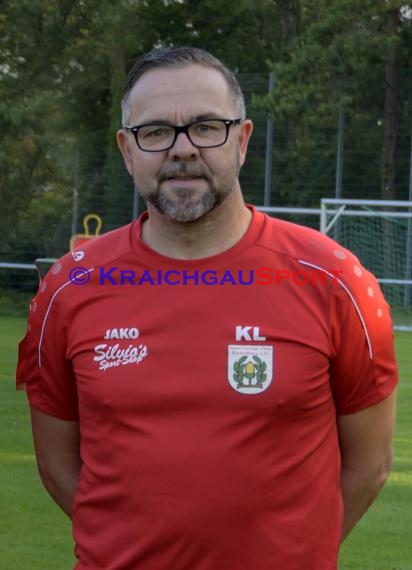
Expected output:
(77, 240)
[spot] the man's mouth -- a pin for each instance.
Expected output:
(183, 181)
(177, 177)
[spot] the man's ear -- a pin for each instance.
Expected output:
(123, 143)
(245, 134)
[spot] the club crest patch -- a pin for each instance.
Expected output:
(250, 368)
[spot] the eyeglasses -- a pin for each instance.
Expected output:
(202, 134)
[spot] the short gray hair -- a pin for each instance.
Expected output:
(179, 57)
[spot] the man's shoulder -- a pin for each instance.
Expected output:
(300, 242)
(76, 267)
(104, 248)
(311, 249)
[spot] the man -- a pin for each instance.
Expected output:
(219, 394)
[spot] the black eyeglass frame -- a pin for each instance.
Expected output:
(182, 129)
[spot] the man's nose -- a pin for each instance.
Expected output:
(183, 147)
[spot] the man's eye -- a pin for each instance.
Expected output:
(155, 133)
(206, 127)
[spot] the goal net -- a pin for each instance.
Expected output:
(380, 233)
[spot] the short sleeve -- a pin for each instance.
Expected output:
(42, 363)
(363, 368)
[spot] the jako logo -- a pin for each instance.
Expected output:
(122, 333)
(77, 255)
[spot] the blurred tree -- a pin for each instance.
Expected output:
(347, 56)
(62, 68)
(33, 72)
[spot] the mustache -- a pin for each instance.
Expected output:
(183, 171)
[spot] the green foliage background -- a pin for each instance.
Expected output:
(62, 68)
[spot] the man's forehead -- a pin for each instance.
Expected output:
(191, 86)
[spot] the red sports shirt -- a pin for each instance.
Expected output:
(208, 411)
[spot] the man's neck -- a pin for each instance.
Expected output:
(220, 230)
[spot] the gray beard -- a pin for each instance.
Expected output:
(183, 208)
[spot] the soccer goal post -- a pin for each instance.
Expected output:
(379, 232)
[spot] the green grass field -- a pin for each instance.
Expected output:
(35, 535)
